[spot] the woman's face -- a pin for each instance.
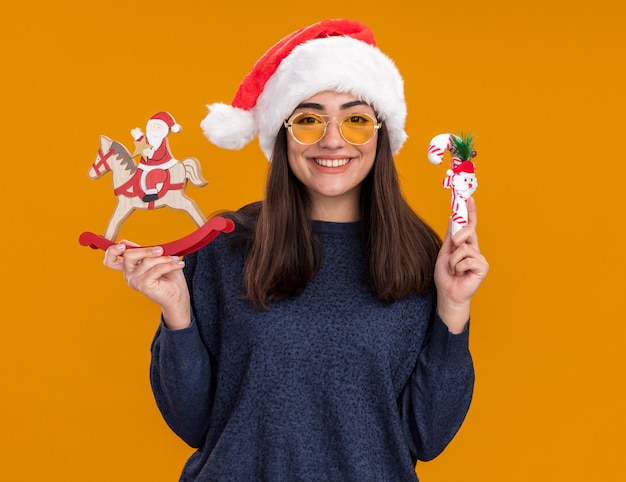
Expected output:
(332, 169)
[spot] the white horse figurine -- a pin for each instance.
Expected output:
(113, 156)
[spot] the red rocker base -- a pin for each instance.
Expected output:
(188, 244)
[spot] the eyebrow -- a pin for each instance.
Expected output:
(313, 105)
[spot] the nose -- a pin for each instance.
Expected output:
(332, 138)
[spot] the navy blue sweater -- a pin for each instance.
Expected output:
(330, 385)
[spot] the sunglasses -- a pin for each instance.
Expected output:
(307, 128)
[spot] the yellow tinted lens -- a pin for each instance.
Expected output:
(358, 128)
(308, 128)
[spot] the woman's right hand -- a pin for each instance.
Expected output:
(158, 277)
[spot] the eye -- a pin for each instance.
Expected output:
(358, 119)
(308, 119)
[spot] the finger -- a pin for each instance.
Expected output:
(113, 257)
(471, 212)
(147, 278)
(133, 258)
(134, 254)
(462, 253)
(477, 266)
(113, 254)
(468, 235)
(129, 243)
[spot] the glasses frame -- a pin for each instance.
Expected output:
(288, 123)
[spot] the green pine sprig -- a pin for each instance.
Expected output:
(463, 146)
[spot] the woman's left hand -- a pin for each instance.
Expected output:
(459, 271)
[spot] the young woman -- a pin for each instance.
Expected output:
(326, 339)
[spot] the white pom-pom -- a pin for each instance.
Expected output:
(229, 127)
(176, 128)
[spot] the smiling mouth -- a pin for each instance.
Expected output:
(331, 163)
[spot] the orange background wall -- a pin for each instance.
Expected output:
(540, 82)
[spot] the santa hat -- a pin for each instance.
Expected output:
(166, 119)
(337, 55)
(464, 166)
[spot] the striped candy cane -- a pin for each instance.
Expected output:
(438, 147)
(461, 177)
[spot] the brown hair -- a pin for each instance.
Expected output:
(283, 253)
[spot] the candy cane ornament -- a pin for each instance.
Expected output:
(461, 177)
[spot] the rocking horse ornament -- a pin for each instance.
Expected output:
(158, 180)
(461, 177)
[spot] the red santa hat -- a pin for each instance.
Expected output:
(167, 119)
(332, 55)
(464, 166)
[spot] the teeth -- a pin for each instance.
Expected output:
(331, 163)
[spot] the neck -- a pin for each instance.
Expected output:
(343, 209)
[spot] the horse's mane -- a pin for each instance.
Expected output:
(126, 160)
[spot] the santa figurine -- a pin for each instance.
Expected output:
(156, 156)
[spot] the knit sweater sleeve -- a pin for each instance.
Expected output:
(437, 397)
(180, 375)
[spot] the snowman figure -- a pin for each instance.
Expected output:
(461, 177)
